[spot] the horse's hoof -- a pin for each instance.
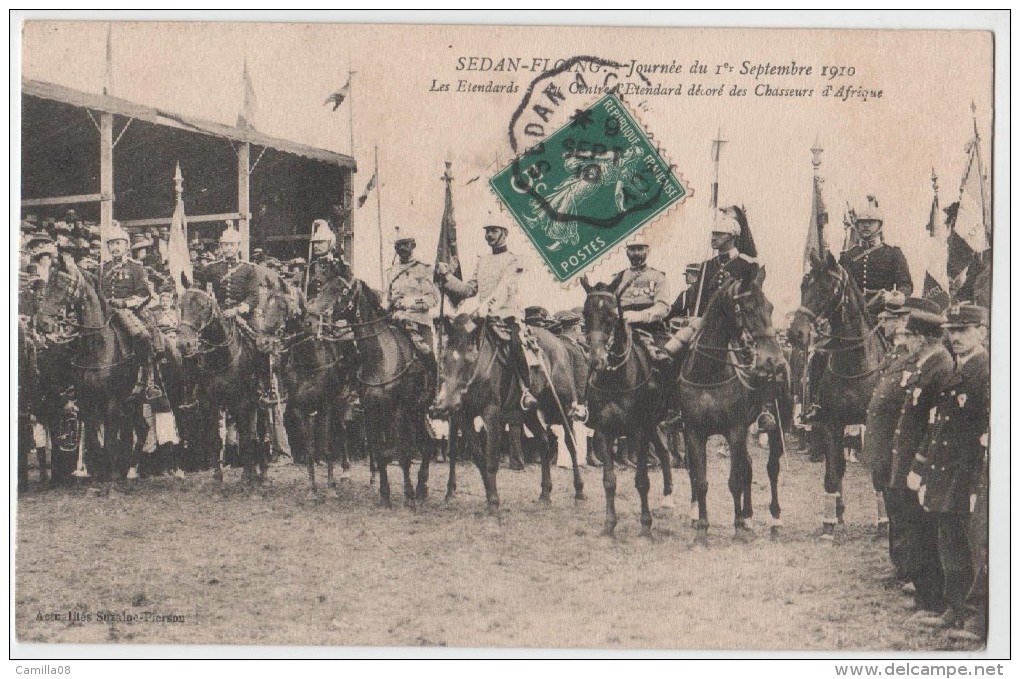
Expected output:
(742, 534)
(646, 532)
(179, 474)
(701, 539)
(409, 503)
(609, 531)
(132, 474)
(545, 499)
(580, 497)
(776, 531)
(882, 531)
(312, 496)
(217, 475)
(516, 467)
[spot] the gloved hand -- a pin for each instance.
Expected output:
(230, 313)
(894, 297)
(118, 304)
(914, 481)
(243, 308)
(635, 316)
(442, 268)
(397, 304)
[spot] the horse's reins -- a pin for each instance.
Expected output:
(628, 349)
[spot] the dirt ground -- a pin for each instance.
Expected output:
(277, 568)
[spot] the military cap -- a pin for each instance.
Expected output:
(62, 227)
(534, 314)
(195, 244)
(965, 314)
(43, 248)
(408, 240)
(693, 268)
(36, 239)
(925, 323)
(567, 318)
(140, 240)
(637, 242)
(909, 305)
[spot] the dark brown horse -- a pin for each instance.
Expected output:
(104, 370)
(315, 365)
(626, 396)
(393, 383)
(478, 382)
(854, 351)
(220, 362)
(733, 368)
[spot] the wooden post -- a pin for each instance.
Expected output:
(244, 196)
(105, 176)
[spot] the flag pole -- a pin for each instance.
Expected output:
(714, 206)
(350, 120)
(378, 205)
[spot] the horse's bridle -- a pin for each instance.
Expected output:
(834, 303)
(612, 338)
(213, 316)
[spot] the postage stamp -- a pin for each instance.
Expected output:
(588, 186)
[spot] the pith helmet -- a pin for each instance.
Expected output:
(321, 232)
(116, 232)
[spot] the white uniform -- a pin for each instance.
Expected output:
(496, 282)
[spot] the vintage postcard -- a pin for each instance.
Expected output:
(496, 336)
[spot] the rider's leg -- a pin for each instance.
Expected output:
(520, 365)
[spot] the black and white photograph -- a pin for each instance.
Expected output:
(480, 338)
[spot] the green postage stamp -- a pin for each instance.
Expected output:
(588, 186)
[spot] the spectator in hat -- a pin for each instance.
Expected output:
(949, 471)
(537, 317)
(914, 532)
(683, 305)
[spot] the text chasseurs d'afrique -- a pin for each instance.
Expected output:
(482, 74)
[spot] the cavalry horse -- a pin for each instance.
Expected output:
(733, 368)
(392, 380)
(854, 352)
(104, 368)
(477, 381)
(219, 361)
(314, 368)
(626, 396)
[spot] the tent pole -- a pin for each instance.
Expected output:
(244, 197)
(105, 173)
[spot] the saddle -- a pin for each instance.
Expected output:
(654, 344)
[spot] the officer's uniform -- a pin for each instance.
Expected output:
(643, 288)
(321, 271)
(233, 282)
(917, 533)
(410, 294)
(877, 268)
(716, 271)
(124, 281)
(951, 467)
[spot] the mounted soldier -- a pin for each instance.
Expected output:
(235, 285)
(124, 286)
(880, 270)
(325, 265)
(410, 294)
(683, 305)
(496, 283)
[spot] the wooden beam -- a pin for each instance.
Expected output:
(244, 196)
(64, 200)
(105, 173)
(192, 219)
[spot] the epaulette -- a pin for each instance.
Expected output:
(747, 258)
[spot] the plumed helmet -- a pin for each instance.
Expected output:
(321, 232)
(116, 232)
(868, 210)
(726, 223)
(230, 234)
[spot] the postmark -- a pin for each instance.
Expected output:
(589, 185)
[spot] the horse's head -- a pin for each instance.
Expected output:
(275, 313)
(822, 291)
(61, 292)
(603, 321)
(748, 317)
(199, 311)
(459, 361)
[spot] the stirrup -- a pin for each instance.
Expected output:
(528, 400)
(153, 392)
(811, 414)
(578, 412)
(269, 398)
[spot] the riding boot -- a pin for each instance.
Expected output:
(268, 396)
(520, 361)
(153, 392)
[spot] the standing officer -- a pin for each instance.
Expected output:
(496, 282)
(410, 294)
(928, 372)
(948, 471)
(877, 268)
(683, 306)
(124, 286)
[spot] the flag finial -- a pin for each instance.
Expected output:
(178, 180)
(934, 180)
(816, 154)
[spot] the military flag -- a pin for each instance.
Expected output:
(338, 97)
(246, 118)
(936, 275)
(179, 259)
(368, 189)
(446, 248)
(816, 247)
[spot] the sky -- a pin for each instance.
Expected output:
(888, 147)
